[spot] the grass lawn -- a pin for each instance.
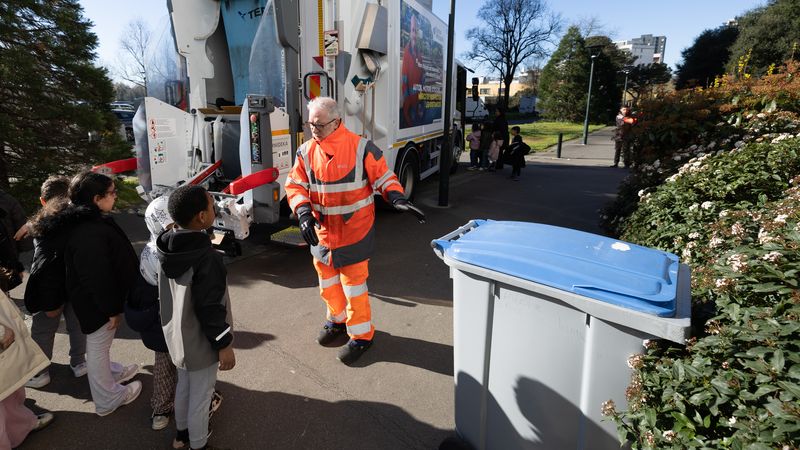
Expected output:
(540, 135)
(127, 197)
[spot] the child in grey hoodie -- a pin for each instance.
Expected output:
(195, 311)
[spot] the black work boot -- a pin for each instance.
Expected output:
(354, 349)
(332, 335)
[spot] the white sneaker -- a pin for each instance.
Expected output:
(127, 373)
(43, 420)
(134, 389)
(160, 421)
(39, 381)
(79, 370)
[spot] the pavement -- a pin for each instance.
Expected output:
(287, 392)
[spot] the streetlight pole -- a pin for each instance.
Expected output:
(447, 139)
(588, 99)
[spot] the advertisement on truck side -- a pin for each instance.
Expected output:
(422, 46)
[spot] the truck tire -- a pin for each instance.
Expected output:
(458, 147)
(408, 172)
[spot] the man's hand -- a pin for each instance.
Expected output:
(226, 358)
(8, 338)
(401, 204)
(22, 233)
(114, 321)
(308, 225)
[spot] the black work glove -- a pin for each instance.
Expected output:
(308, 225)
(401, 204)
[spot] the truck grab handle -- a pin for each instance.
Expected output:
(254, 180)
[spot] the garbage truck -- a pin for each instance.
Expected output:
(235, 115)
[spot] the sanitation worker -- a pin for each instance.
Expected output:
(330, 188)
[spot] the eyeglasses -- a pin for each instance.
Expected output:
(112, 192)
(319, 126)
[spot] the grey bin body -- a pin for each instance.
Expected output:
(534, 363)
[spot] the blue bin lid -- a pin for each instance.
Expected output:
(610, 270)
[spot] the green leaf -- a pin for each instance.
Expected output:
(771, 107)
(650, 416)
(794, 371)
(722, 386)
(682, 420)
(758, 446)
(765, 389)
(793, 388)
(777, 361)
(707, 421)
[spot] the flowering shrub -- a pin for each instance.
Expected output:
(686, 124)
(728, 202)
(738, 384)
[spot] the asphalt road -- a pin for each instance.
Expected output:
(287, 392)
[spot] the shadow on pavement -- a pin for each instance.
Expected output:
(539, 418)
(246, 340)
(409, 351)
(250, 419)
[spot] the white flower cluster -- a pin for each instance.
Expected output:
(722, 283)
(715, 242)
(737, 230)
(781, 218)
(707, 205)
(694, 235)
(783, 137)
(738, 262)
(764, 237)
(772, 257)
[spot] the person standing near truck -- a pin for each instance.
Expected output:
(330, 188)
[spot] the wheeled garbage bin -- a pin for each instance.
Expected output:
(545, 319)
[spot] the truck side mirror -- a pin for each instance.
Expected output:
(475, 88)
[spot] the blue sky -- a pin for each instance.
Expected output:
(679, 20)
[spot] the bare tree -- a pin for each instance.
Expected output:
(134, 61)
(514, 32)
(593, 26)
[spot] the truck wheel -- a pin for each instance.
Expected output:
(408, 173)
(458, 147)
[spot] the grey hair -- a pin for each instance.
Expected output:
(326, 104)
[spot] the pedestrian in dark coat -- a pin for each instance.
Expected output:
(101, 269)
(46, 292)
(501, 125)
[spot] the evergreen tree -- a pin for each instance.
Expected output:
(565, 79)
(771, 33)
(608, 79)
(52, 95)
(706, 58)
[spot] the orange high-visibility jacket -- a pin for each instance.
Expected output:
(336, 178)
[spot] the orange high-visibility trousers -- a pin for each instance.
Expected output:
(345, 292)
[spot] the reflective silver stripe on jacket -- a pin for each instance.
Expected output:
(383, 179)
(357, 182)
(389, 183)
(344, 209)
(297, 200)
(302, 184)
(338, 187)
(339, 318)
(361, 328)
(328, 282)
(354, 291)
